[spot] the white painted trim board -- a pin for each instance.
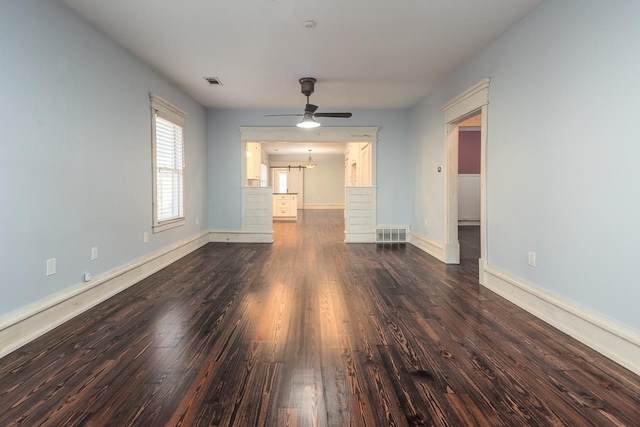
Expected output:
(432, 247)
(614, 340)
(34, 320)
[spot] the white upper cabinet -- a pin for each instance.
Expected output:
(357, 164)
(254, 160)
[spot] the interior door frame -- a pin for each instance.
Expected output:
(472, 101)
(345, 134)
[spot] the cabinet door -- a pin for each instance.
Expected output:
(254, 159)
(293, 206)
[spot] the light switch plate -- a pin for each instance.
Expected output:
(51, 267)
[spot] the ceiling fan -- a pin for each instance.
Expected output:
(307, 85)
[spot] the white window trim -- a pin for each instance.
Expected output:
(169, 112)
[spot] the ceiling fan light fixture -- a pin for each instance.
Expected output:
(308, 122)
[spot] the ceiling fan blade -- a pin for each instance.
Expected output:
(284, 115)
(337, 115)
(307, 84)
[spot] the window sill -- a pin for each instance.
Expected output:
(167, 225)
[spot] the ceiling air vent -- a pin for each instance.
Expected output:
(213, 81)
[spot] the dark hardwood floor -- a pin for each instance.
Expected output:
(311, 331)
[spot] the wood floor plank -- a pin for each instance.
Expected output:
(310, 331)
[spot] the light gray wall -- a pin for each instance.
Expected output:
(225, 152)
(76, 164)
(323, 184)
(561, 155)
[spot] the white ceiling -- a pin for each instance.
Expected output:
(364, 53)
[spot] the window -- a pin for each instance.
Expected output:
(168, 165)
(281, 182)
(263, 175)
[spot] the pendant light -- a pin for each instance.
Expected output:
(310, 164)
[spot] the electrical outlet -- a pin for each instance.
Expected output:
(87, 277)
(51, 267)
(94, 253)
(532, 258)
(145, 237)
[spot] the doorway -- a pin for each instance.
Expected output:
(472, 102)
(256, 204)
(469, 189)
(289, 180)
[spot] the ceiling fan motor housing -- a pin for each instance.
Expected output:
(307, 84)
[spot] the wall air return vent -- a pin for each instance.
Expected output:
(213, 81)
(391, 234)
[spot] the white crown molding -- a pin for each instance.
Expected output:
(471, 99)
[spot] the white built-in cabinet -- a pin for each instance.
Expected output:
(254, 161)
(285, 207)
(357, 165)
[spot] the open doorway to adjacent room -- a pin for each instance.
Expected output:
(469, 149)
(318, 170)
(468, 109)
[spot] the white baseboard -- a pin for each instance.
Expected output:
(612, 339)
(432, 247)
(360, 237)
(336, 206)
(235, 236)
(616, 341)
(30, 322)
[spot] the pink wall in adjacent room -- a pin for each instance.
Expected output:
(469, 152)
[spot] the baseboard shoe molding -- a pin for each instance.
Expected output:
(239, 236)
(327, 206)
(32, 321)
(432, 247)
(614, 340)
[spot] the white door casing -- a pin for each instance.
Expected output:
(474, 100)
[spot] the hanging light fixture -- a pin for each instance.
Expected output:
(308, 122)
(310, 164)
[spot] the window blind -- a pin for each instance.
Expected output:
(168, 165)
(169, 170)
